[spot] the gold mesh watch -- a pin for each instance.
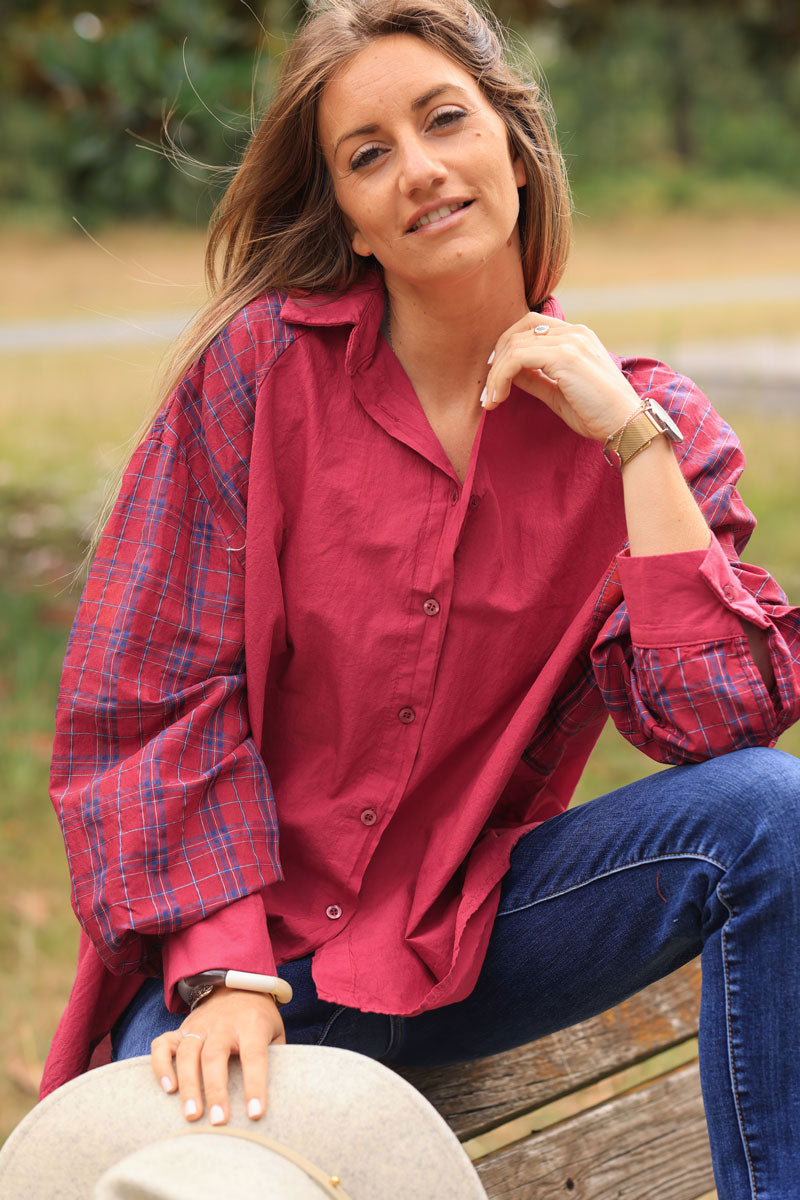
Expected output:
(647, 423)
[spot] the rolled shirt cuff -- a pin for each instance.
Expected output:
(234, 937)
(685, 598)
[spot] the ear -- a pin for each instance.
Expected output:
(357, 240)
(520, 178)
(360, 244)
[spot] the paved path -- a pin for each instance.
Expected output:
(682, 293)
(770, 366)
(80, 333)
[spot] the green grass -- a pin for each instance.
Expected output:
(661, 190)
(38, 935)
(68, 420)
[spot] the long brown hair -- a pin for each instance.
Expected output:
(278, 224)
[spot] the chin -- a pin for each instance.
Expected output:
(464, 262)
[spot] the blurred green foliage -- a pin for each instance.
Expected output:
(665, 97)
(85, 94)
(654, 97)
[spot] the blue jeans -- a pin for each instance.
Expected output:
(601, 901)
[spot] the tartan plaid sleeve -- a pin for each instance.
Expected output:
(165, 803)
(673, 661)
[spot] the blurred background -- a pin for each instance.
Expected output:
(679, 122)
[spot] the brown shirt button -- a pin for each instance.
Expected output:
(406, 715)
(431, 607)
(333, 911)
(474, 501)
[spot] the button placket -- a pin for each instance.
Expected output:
(433, 607)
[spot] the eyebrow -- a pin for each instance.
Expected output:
(417, 104)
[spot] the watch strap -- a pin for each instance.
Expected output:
(643, 426)
(636, 435)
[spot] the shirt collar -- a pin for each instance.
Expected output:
(332, 308)
(361, 306)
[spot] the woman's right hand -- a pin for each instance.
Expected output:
(194, 1058)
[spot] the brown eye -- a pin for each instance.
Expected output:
(365, 156)
(447, 116)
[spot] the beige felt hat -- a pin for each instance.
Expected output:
(338, 1124)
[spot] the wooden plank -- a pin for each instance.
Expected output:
(475, 1096)
(651, 1142)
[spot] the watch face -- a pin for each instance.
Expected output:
(664, 420)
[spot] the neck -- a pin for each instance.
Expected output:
(443, 335)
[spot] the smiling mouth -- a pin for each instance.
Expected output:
(438, 214)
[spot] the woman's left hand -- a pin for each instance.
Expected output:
(568, 368)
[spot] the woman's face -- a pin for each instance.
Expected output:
(420, 163)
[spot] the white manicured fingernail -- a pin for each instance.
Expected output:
(254, 1107)
(190, 1108)
(167, 1083)
(483, 398)
(491, 358)
(216, 1116)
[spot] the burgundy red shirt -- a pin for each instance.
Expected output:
(317, 689)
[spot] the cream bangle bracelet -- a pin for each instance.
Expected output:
(272, 985)
(195, 988)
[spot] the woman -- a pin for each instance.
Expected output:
(399, 541)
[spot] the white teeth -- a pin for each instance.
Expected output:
(436, 215)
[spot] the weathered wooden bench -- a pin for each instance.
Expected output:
(584, 1114)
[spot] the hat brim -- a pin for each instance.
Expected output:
(350, 1115)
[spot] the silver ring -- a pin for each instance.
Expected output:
(199, 1036)
(541, 329)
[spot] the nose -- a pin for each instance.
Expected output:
(420, 165)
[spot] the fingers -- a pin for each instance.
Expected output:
(208, 1068)
(162, 1050)
(544, 326)
(189, 1071)
(568, 368)
(529, 357)
(194, 1059)
(195, 1063)
(254, 1059)
(253, 1055)
(175, 1059)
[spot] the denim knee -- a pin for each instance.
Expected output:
(765, 783)
(774, 773)
(754, 800)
